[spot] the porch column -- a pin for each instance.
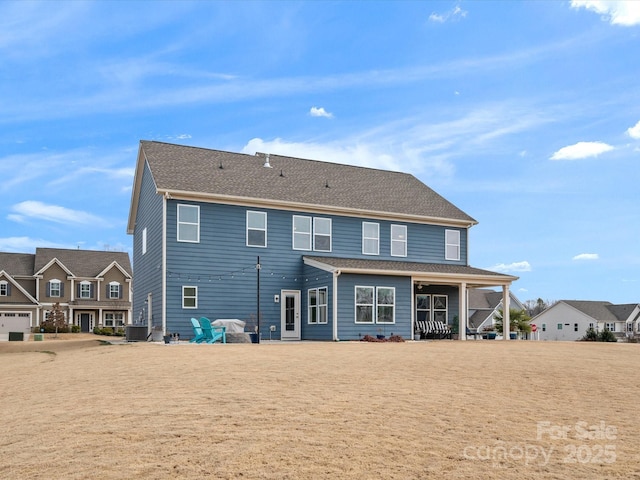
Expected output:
(506, 319)
(462, 312)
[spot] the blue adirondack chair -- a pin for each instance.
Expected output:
(198, 334)
(211, 333)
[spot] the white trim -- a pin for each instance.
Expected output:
(315, 234)
(195, 297)
(355, 305)
(376, 238)
(378, 305)
(449, 242)
(293, 232)
(314, 208)
(247, 228)
(396, 241)
(178, 223)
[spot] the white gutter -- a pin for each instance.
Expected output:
(164, 264)
(336, 274)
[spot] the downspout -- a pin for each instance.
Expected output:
(164, 264)
(336, 274)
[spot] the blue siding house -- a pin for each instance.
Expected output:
(301, 249)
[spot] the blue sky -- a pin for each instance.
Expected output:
(524, 114)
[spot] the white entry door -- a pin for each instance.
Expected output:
(290, 314)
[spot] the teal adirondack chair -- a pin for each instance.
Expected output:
(211, 333)
(198, 334)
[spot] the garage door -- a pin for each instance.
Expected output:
(15, 322)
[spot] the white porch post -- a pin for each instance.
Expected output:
(463, 312)
(506, 320)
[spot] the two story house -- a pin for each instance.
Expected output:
(92, 287)
(301, 249)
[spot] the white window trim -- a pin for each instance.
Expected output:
(317, 306)
(179, 223)
(434, 309)
(51, 283)
(393, 305)
(356, 305)
(194, 297)
(399, 241)
(449, 242)
(144, 240)
(85, 283)
(117, 292)
(4, 288)
(376, 238)
(293, 232)
(262, 214)
(315, 234)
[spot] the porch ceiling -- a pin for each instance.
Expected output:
(423, 272)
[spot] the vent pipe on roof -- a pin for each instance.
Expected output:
(266, 162)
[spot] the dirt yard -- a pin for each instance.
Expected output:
(75, 408)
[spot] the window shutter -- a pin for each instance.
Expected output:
(8, 289)
(61, 289)
(108, 292)
(119, 291)
(48, 289)
(91, 290)
(78, 290)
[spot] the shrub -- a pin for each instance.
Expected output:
(590, 336)
(607, 336)
(75, 329)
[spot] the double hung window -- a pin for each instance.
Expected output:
(311, 233)
(188, 223)
(318, 305)
(375, 304)
(370, 238)
(256, 229)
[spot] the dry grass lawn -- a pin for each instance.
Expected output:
(78, 409)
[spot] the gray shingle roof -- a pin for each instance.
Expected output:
(17, 264)
(82, 263)
(296, 181)
(406, 267)
(602, 311)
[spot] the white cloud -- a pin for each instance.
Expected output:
(26, 244)
(587, 256)
(363, 155)
(455, 14)
(320, 112)
(52, 213)
(581, 150)
(634, 132)
(523, 266)
(616, 12)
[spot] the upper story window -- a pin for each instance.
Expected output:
(301, 232)
(256, 229)
(322, 234)
(114, 290)
(452, 244)
(85, 290)
(188, 223)
(5, 289)
(398, 240)
(311, 232)
(370, 238)
(144, 240)
(55, 288)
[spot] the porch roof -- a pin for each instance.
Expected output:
(431, 272)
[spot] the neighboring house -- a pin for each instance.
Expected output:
(306, 249)
(92, 287)
(570, 319)
(484, 304)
